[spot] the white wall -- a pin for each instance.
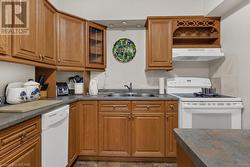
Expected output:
(117, 74)
(10, 72)
(234, 71)
(131, 9)
(210, 5)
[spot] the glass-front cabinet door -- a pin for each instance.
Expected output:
(96, 48)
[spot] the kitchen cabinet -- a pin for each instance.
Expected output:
(28, 155)
(73, 133)
(196, 32)
(27, 46)
(5, 45)
(21, 145)
(47, 38)
(114, 134)
(131, 128)
(96, 46)
(88, 134)
(70, 41)
(148, 134)
(171, 124)
(159, 44)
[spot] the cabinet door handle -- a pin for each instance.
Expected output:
(172, 106)
(59, 60)
(40, 56)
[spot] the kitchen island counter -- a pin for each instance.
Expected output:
(214, 148)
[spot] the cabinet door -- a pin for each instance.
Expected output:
(47, 33)
(96, 46)
(171, 123)
(70, 41)
(26, 46)
(88, 128)
(114, 134)
(5, 45)
(159, 44)
(148, 135)
(27, 155)
(73, 134)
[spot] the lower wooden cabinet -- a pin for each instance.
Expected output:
(114, 134)
(20, 145)
(139, 129)
(88, 134)
(73, 134)
(171, 124)
(27, 155)
(148, 135)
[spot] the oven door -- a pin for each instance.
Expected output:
(203, 117)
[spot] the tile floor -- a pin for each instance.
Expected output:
(120, 164)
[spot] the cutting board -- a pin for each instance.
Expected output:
(29, 106)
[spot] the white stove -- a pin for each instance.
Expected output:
(204, 112)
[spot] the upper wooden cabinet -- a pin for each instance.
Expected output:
(70, 41)
(96, 46)
(159, 44)
(5, 45)
(196, 32)
(47, 38)
(27, 46)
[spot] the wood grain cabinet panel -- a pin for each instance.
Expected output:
(114, 106)
(114, 134)
(12, 138)
(159, 44)
(70, 41)
(148, 135)
(171, 124)
(5, 45)
(148, 106)
(20, 145)
(47, 29)
(171, 106)
(27, 155)
(73, 134)
(88, 116)
(26, 46)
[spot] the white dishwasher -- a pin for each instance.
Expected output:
(55, 138)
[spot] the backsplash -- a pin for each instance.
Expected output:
(11, 72)
(117, 74)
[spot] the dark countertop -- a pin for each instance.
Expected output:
(10, 119)
(216, 148)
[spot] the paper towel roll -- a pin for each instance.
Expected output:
(161, 86)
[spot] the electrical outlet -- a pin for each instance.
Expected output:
(1, 101)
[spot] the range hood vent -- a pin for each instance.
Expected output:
(197, 54)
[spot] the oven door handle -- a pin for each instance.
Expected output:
(212, 111)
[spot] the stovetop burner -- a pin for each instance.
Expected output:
(200, 94)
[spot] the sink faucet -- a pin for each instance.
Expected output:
(130, 87)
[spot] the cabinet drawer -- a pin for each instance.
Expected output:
(172, 106)
(148, 106)
(114, 106)
(14, 137)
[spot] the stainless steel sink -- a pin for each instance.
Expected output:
(131, 95)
